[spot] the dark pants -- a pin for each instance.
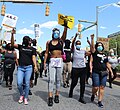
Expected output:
(9, 73)
(87, 72)
(41, 69)
(78, 73)
(114, 76)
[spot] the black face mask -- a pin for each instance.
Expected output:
(67, 44)
(10, 48)
(25, 42)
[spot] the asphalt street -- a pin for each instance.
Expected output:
(38, 101)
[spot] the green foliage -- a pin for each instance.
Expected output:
(113, 42)
(118, 68)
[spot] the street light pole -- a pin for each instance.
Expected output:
(97, 12)
(96, 23)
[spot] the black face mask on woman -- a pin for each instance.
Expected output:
(26, 40)
(10, 48)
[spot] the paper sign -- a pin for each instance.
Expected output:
(7, 36)
(9, 21)
(67, 21)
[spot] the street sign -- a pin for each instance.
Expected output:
(105, 42)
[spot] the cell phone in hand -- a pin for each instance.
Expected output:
(87, 38)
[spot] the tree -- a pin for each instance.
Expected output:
(115, 42)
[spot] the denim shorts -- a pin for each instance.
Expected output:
(97, 80)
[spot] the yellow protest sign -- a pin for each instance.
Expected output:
(67, 21)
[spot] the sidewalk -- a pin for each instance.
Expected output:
(117, 80)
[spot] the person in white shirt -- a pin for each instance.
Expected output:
(113, 60)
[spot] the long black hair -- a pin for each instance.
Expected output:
(96, 45)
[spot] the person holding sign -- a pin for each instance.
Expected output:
(55, 47)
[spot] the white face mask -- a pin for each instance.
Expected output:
(78, 47)
(112, 54)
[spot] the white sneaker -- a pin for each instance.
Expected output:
(21, 99)
(26, 101)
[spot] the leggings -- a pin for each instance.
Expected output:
(76, 73)
(54, 75)
(9, 73)
(110, 77)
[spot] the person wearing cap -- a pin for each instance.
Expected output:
(27, 56)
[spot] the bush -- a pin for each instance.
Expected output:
(118, 68)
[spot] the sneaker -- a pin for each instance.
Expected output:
(92, 98)
(68, 85)
(70, 94)
(65, 85)
(67, 82)
(82, 100)
(21, 99)
(25, 101)
(56, 100)
(110, 86)
(100, 104)
(10, 87)
(30, 93)
(50, 101)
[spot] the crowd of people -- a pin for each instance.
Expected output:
(63, 60)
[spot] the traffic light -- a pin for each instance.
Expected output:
(79, 27)
(47, 11)
(3, 10)
(80, 35)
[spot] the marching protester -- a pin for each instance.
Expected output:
(113, 60)
(3, 48)
(35, 74)
(41, 55)
(98, 69)
(78, 68)
(10, 57)
(55, 48)
(67, 65)
(87, 63)
(27, 56)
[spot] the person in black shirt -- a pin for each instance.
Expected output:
(67, 66)
(41, 55)
(9, 64)
(98, 64)
(27, 56)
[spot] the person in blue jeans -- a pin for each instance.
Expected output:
(27, 57)
(98, 64)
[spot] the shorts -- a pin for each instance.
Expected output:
(97, 80)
